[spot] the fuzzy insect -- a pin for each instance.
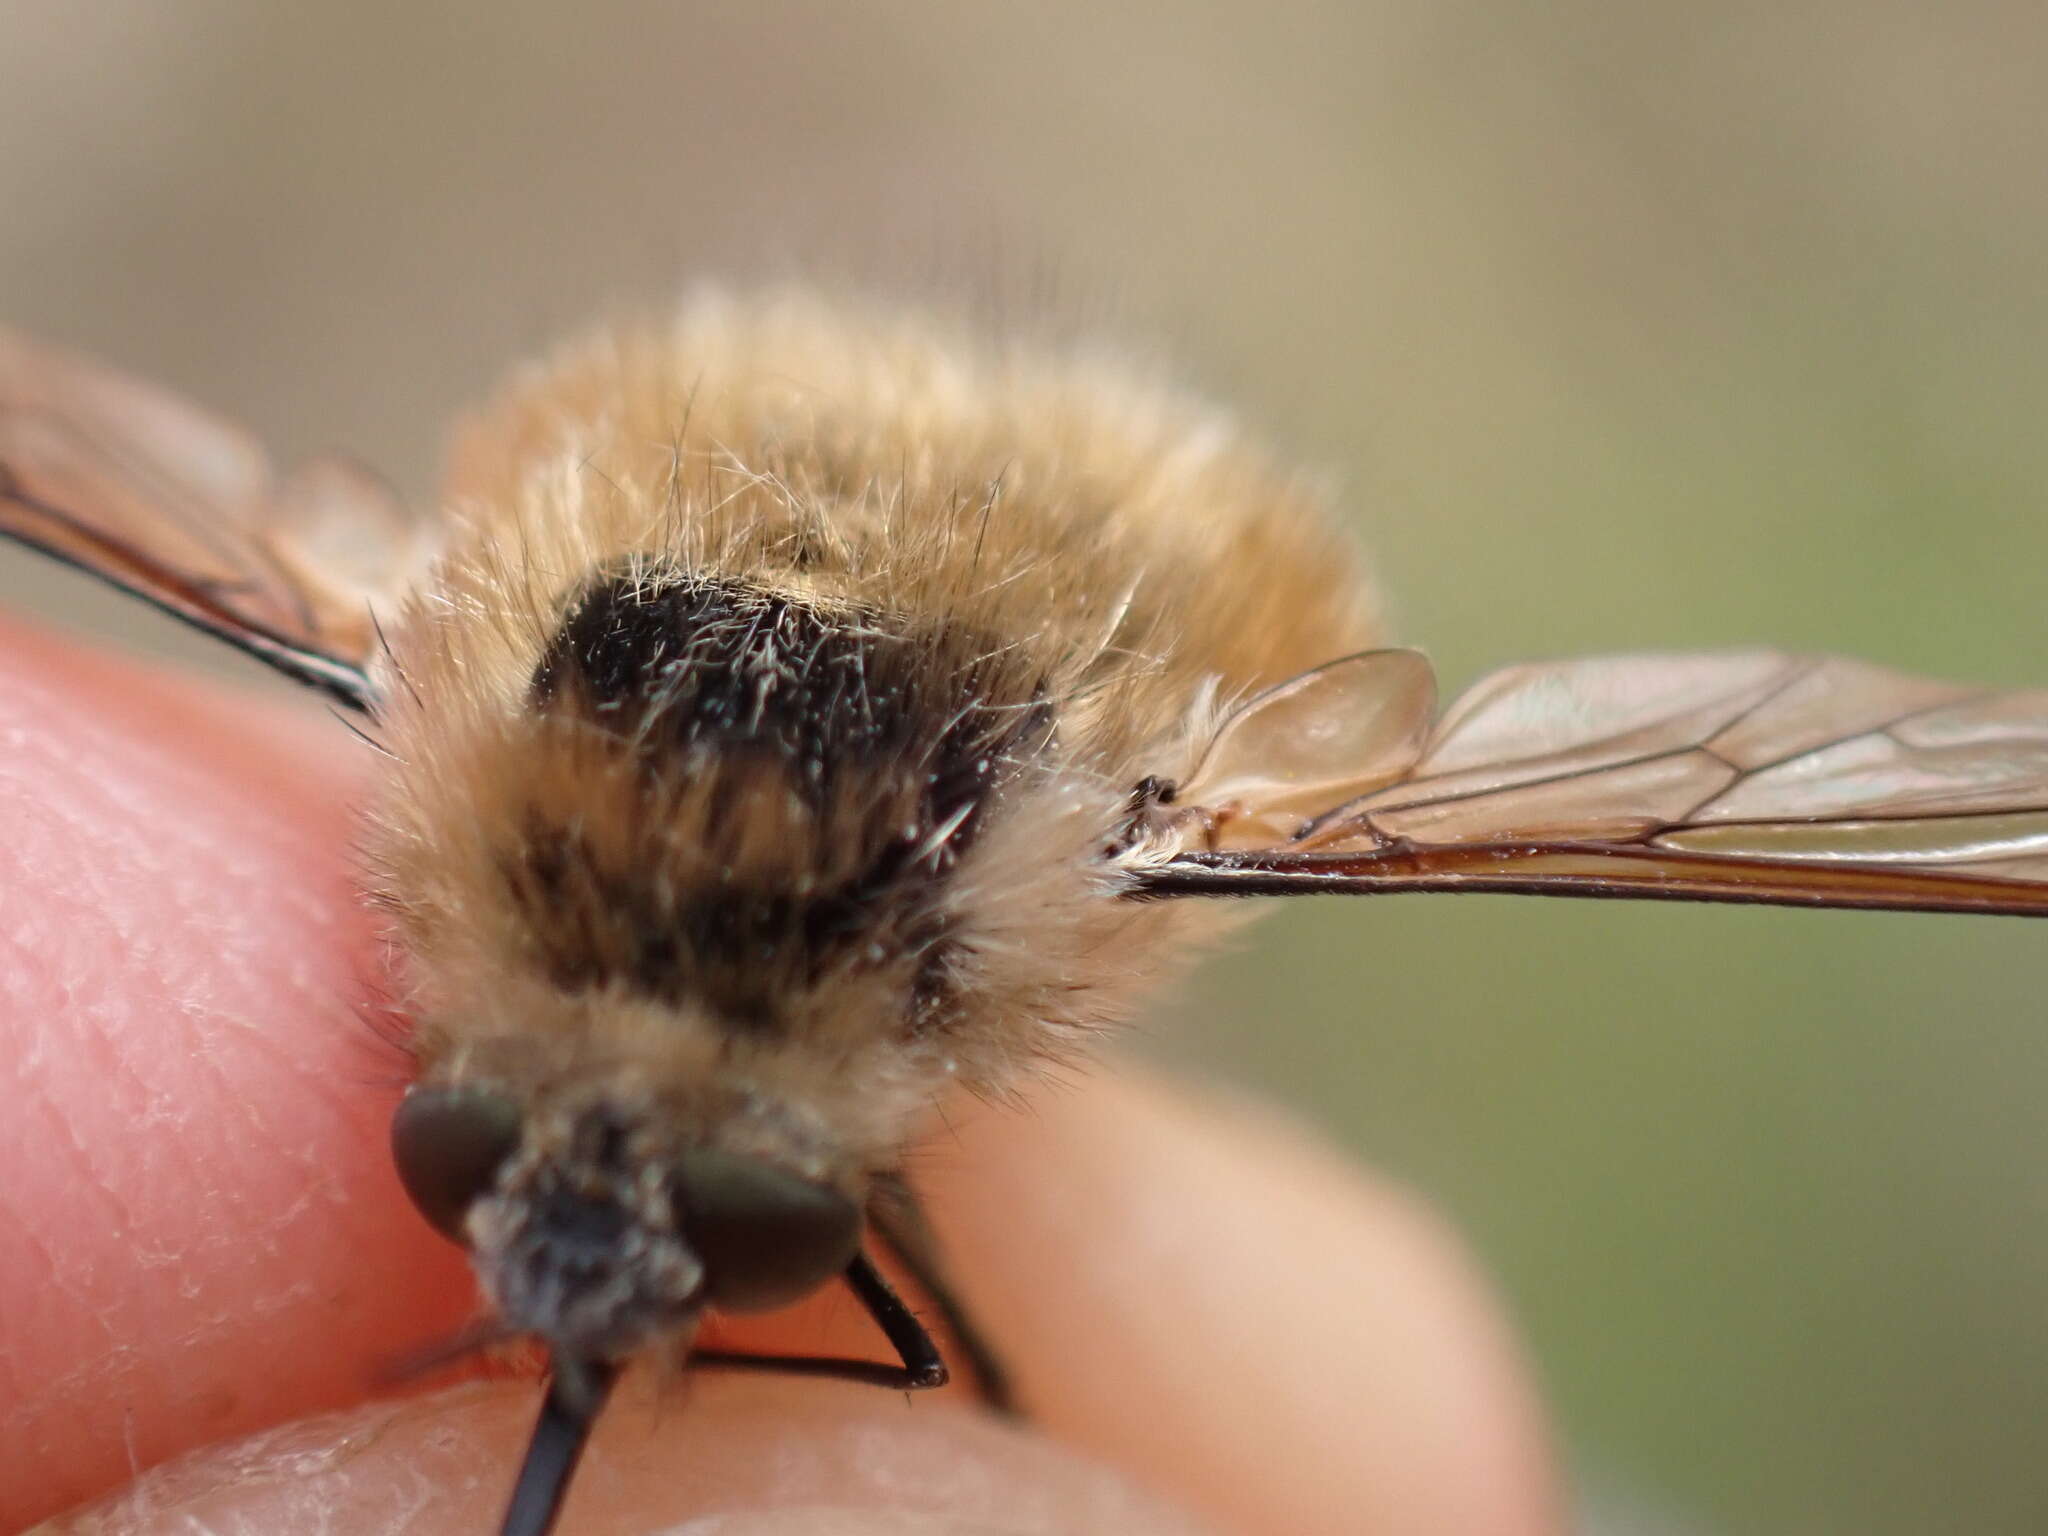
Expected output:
(794, 710)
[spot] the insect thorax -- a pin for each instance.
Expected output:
(792, 784)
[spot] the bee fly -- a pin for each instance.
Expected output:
(793, 710)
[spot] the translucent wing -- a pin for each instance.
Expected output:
(1745, 776)
(187, 512)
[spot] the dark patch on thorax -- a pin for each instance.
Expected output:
(894, 738)
(678, 662)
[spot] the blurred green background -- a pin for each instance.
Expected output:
(1621, 325)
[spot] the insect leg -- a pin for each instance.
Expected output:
(895, 1211)
(575, 1394)
(922, 1365)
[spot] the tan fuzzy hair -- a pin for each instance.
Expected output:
(1040, 537)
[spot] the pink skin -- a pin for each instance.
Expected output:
(1219, 1325)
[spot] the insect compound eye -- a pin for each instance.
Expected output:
(767, 1237)
(449, 1144)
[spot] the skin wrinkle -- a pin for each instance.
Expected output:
(16, 1387)
(224, 938)
(59, 1134)
(45, 1127)
(100, 924)
(252, 737)
(51, 934)
(315, 1092)
(101, 1377)
(259, 1234)
(151, 1109)
(100, 786)
(193, 855)
(110, 1376)
(169, 1165)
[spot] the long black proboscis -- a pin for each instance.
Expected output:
(574, 1396)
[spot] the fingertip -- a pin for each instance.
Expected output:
(730, 1457)
(195, 1140)
(1197, 1290)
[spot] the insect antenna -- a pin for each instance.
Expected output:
(575, 1395)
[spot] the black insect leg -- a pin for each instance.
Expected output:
(922, 1365)
(575, 1394)
(895, 1211)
